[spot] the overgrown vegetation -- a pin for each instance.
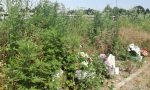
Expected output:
(37, 47)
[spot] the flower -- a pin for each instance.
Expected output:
(144, 52)
(102, 56)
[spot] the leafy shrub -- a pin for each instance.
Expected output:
(93, 75)
(38, 47)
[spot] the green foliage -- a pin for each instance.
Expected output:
(36, 65)
(95, 74)
(97, 27)
(37, 47)
(120, 50)
(34, 58)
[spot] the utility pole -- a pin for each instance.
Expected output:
(116, 3)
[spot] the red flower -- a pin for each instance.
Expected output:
(144, 52)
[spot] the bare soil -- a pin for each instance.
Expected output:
(127, 68)
(141, 82)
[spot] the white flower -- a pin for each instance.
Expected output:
(84, 55)
(85, 63)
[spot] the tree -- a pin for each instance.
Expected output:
(139, 9)
(122, 11)
(71, 12)
(147, 11)
(115, 11)
(107, 9)
(89, 11)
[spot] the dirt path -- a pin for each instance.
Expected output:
(139, 82)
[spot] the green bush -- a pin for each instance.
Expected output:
(95, 74)
(37, 48)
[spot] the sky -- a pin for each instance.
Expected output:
(100, 4)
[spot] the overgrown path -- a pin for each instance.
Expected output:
(140, 80)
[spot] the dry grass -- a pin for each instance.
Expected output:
(1, 81)
(133, 35)
(141, 82)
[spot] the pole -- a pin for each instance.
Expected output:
(116, 3)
